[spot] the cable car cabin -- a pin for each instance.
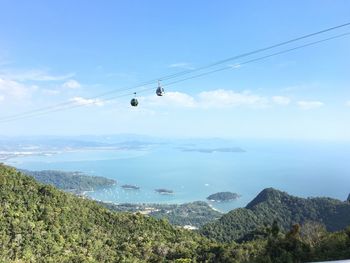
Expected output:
(160, 91)
(134, 102)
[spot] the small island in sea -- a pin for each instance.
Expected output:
(130, 187)
(223, 197)
(214, 150)
(164, 191)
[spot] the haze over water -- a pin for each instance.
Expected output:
(297, 167)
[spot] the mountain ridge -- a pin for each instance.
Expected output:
(271, 204)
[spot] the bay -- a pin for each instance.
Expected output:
(298, 167)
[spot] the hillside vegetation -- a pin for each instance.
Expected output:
(287, 210)
(70, 180)
(39, 223)
(195, 214)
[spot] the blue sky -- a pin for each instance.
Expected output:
(51, 52)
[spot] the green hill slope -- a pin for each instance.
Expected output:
(272, 205)
(194, 214)
(41, 224)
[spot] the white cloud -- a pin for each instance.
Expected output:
(71, 84)
(281, 100)
(84, 101)
(50, 91)
(309, 105)
(235, 66)
(33, 75)
(182, 65)
(208, 99)
(2, 97)
(348, 103)
(228, 98)
(15, 90)
(174, 99)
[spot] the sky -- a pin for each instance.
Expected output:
(53, 52)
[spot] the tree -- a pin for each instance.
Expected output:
(275, 229)
(312, 233)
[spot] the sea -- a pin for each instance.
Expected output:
(301, 168)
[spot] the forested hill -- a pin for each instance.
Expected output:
(71, 181)
(41, 224)
(270, 205)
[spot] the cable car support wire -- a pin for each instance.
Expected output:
(70, 105)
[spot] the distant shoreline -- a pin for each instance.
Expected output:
(214, 150)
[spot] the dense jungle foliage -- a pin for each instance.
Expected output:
(271, 204)
(39, 223)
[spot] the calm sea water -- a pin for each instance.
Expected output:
(300, 168)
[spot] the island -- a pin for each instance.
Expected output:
(130, 187)
(214, 150)
(164, 191)
(74, 182)
(223, 197)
